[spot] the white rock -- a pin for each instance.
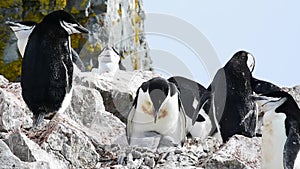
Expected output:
(14, 113)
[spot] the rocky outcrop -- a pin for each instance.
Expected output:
(14, 113)
(76, 138)
(115, 22)
(90, 135)
(295, 92)
(238, 152)
(117, 91)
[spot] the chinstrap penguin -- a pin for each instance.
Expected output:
(47, 68)
(260, 87)
(22, 31)
(231, 109)
(157, 109)
(197, 121)
(109, 61)
(281, 131)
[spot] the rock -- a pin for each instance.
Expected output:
(9, 160)
(75, 137)
(3, 81)
(295, 92)
(28, 151)
(70, 144)
(14, 113)
(238, 152)
(118, 91)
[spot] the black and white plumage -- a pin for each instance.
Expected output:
(22, 31)
(47, 68)
(281, 131)
(157, 109)
(261, 86)
(109, 61)
(191, 92)
(229, 104)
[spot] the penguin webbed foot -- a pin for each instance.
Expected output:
(38, 119)
(167, 141)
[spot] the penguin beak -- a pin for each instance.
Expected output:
(258, 98)
(81, 29)
(10, 23)
(155, 116)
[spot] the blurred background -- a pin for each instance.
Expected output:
(270, 30)
(117, 23)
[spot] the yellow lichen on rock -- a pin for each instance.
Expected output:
(120, 10)
(10, 3)
(136, 31)
(74, 10)
(44, 6)
(84, 3)
(136, 2)
(11, 70)
(60, 4)
(76, 40)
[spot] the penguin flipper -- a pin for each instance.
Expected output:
(129, 124)
(182, 123)
(292, 145)
(261, 87)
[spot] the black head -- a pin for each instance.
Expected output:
(155, 96)
(242, 58)
(158, 89)
(66, 20)
(287, 104)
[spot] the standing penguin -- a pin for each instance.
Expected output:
(109, 61)
(157, 109)
(22, 31)
(281, 131)
(197, 121)
(47, 68)
(230, 106)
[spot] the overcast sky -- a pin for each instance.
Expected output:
(269, 29)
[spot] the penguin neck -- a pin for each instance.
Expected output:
(273, 140)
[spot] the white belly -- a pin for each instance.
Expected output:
(66, 102)
(273, 140)
(106, 67)
(202, 129)
(145, 122)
